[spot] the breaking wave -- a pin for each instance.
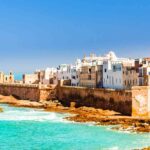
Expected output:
(27, 114)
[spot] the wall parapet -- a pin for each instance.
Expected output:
(118, 100)
(135, 102)
(32, 92)
(103, 89)
(19, 85)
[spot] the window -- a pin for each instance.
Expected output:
(114, 68)
(89, 77)
(128, 82)
(73, 77)
(105, 70)
(89, 70)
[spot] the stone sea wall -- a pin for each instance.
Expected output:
(27, 92)
(135, 102)
(117, 100)
(141, 101)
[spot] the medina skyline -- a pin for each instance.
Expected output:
(36, 34)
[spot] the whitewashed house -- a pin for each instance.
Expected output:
(75, 72)
(119, 73)
(64, 72)
(46, 76)
(69, 72)
(91, 74)
(112, 75)
(144, 72)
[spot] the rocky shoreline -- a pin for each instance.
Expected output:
(86, 114)
(122, 123)
(148, 148)
(1, 109)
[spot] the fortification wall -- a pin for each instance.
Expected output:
(118, 100)
(141, 101)
(135, 102)
(26, 92)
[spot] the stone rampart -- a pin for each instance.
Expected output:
(118, 100)
(28, 91)
(135, 102)
(141, 101)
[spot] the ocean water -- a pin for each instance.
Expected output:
(34, 129)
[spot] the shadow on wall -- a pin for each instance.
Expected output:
(120, 101)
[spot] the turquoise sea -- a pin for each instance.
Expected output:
(34, 129)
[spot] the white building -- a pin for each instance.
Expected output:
(75, 71)
(112, 75)
(69, 72)
(46, 76)
(64, 72)
(30, 79)
(144, 72)
(116, 72)
(93, 60)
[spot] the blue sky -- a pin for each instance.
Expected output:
(44, 33)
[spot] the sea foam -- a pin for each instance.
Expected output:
(30, 115)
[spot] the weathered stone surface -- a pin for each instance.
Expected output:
(135, 102)
(28, 92)
(117, 100)
(141, 101)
